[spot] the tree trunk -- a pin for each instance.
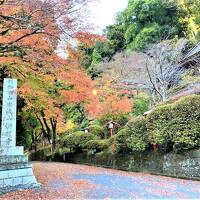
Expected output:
(47, 132)
(53, 125)
(164, 94)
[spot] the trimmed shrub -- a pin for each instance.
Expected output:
(138, 139)
(133, 137)
(77, 141)
(176, 125)
(186, 123)
(158, 125)
(98, 145)
(120, 140)
(97, 130)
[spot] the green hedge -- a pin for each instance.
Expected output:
(159, 124)
(138, 139)
(77, 141)
(120, 140)
(133, 137)
(178, 124)
(98, 145)
(97, 130)
(186, 123)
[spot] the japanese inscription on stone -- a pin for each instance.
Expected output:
(8, 127)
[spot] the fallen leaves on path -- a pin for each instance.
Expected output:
(69, 181)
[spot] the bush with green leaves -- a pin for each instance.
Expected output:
(177, 124)
(147, 35)
(158, 124)
(120, 119)
(138, 139)
(77, 141)
(120, 140)
(97, 130)
(186, 123)
(133, 137)
(98, 145)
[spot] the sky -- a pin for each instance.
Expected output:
(103, 12)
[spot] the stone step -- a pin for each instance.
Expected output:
(17, 177)
(16, 173)
(15, 166)
(13, 159)
(24, 182)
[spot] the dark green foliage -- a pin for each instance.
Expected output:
(97, 145)
(76, 113)
(103, 50)
(186, 123)
(120, 119)
(147, 21)
(140, 105)
(96, 57)
(77, 141)
(120, 140)
(97, 130)
(115, 35)
(133, 137)
(24, 138)
(138, 139)
(159, 123)
(177, 124)
(28, 131)
(146, 36)
(94, 72)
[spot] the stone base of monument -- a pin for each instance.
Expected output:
(16, 173)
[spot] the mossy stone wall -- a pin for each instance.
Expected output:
(185, 165)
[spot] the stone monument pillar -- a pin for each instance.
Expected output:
(15, 171)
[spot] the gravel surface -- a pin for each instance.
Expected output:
(68, 181)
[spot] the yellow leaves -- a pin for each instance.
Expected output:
(48, 79)
(70, 125)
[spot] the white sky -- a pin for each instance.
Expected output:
(103, 12)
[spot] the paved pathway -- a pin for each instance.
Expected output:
(68, 181)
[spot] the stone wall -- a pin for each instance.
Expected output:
(186, 165)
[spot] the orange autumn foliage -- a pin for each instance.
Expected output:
(82, 85)
(30, 30)
(29, 35)
(109, 99)
(39, 102)
(89, 38)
